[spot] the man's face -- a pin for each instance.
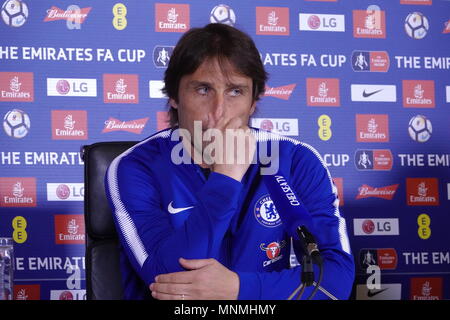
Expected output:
(219, 101)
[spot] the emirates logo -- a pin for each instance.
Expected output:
(418, 91)
(372, 126)
(272, 19)
(14, 84)
(69, 229)
(322, 90)
(422, 189)
(121, 87)
(372, 21)
(69, 123)
(18, 190)
(21, 295)
(72, 226)
(172, 16)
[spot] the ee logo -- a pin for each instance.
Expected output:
(19, 225)
(424, 222)
(120, 21)
(324, 123)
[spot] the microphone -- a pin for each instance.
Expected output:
(295, 217)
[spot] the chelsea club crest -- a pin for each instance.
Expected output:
(266, 213)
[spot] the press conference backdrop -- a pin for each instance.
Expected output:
(367, 83)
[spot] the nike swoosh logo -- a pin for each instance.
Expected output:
(173, 210)
(371, 293)
(366, 95)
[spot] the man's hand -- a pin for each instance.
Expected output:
(238, 147)
(206, 280)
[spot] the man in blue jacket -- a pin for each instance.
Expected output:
(194, 218)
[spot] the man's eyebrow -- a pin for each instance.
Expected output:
(195, 83)
(238, 85)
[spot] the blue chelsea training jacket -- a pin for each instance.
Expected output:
(164, 211)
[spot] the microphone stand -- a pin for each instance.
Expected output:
(311, 255)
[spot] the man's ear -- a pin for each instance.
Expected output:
(173, 103)
(253, 108)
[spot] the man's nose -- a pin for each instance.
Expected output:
(218, 108)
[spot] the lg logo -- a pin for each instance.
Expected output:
(314, 22)
(286, 127)
(70, 87)
(63, 87)
(321, 22)
(375, 227)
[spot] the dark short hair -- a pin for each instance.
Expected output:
(228, 44)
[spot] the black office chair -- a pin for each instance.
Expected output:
(103, 279)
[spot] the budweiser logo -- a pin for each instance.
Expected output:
(387, 193)
(133, 126)
(283, 92)
(55, 13)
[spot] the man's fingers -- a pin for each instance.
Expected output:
(175, 277)
(165, 296)
(193, 264)
(170, 288)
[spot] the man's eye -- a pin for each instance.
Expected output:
(202, 90)
(235, 92)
